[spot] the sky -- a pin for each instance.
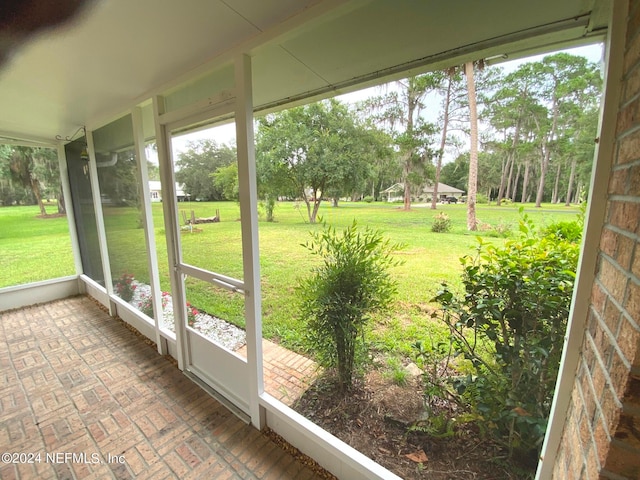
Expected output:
(226, 133)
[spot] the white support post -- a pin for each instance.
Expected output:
(97, 205)
(172, 231)
(249, 223)
(149, 235)
(68, 203)
(594, 224)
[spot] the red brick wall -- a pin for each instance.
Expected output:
(601, 437)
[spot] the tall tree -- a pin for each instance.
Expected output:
(226, 180)
(582, 154)
(47, 170)
(401, 111)
(314, 150)
(27, 166)
(510, 111)
(565, 80)
(451, 91)
(196, 165)
(472, 223)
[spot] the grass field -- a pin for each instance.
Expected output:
(34, 249)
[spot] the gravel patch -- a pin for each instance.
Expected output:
(214, 328)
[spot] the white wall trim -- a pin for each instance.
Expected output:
(38, 292)
(329, 451)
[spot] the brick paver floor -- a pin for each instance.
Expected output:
(287, 375)
(83, 397)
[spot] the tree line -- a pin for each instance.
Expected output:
(30, 176)
(535, 130)
(522, 136)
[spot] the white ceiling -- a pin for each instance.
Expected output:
(120, 52)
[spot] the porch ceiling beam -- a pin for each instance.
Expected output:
(12, 138)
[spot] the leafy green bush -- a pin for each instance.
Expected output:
(482, 199)
(338, 299)
(568, 231)
(267, 206)
(510, 325)
(368, 199)
(441, 223)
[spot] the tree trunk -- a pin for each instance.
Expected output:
(62, 208)
(411, 105)
(556, 185)
(510, 181)
(572, 178)
(308, 204)
(503, 180)
(514, 189)
(525, 182)
(472, 223)
(511, 158)
(314, 213)
(35, 188)
(578, 194)
(443, 142)
(405, 180)
(544, 164)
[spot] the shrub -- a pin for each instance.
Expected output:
(482, 199)
(268, 205)
(368, 199)
(569, 231)
(338, 299)
(441, 223)
(510, 324)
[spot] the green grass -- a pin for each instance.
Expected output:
(35, 249)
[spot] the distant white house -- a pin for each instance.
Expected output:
(396, 192)
(155, 190)
(444, 191)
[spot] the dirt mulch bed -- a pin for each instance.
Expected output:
(375, 418)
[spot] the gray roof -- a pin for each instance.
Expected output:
(442, 188)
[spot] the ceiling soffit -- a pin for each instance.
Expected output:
(123, 51)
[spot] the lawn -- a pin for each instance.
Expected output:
(34, 249)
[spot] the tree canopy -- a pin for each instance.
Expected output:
(30, 175)
(312, 152)
(198, 163)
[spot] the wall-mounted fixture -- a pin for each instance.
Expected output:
(84, 153)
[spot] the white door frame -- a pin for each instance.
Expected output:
(236, 383)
